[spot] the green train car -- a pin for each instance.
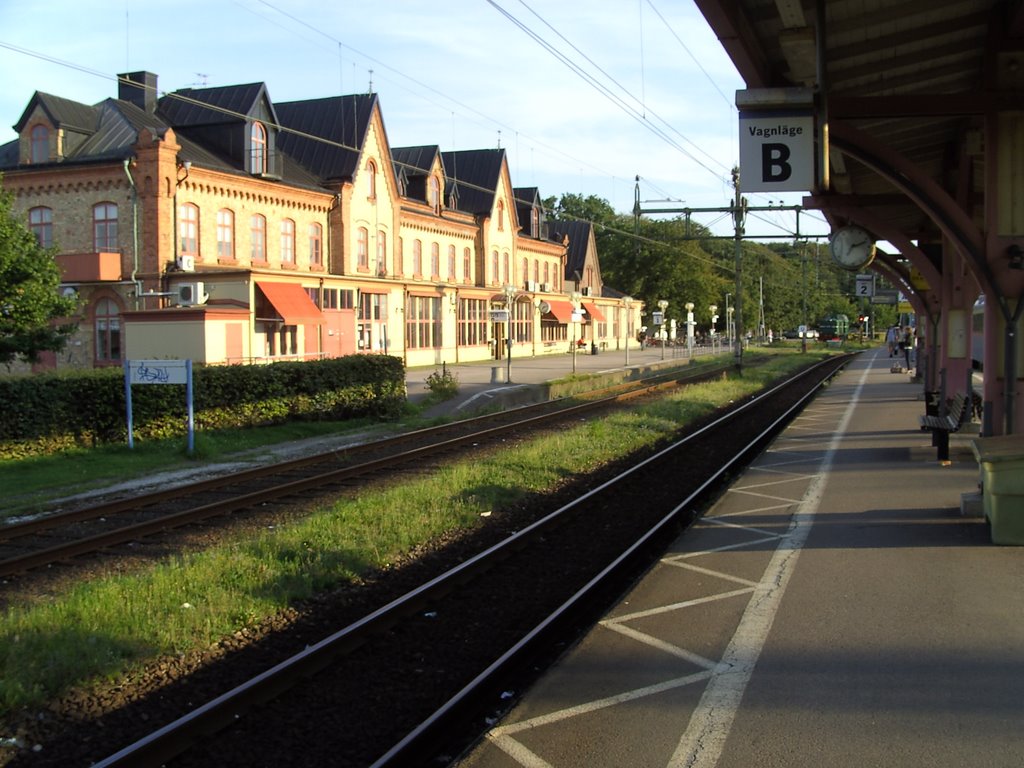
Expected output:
(834, 327)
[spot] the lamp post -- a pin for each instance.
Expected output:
(714, 319)
(728, 318)
(729, 325)
(662, 305)
(510, 297)
(575, 297)
(627, 301)
(689, 328)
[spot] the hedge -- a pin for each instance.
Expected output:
(45, 413)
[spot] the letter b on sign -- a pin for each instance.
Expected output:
(775, 167)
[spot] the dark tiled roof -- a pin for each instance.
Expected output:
(414, 160)
(191, 107)
(64, 113)
(9, 154)
(325, 136)
(578, 233)
(474, 173)
(117, 131)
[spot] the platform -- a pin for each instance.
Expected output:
(834, 607)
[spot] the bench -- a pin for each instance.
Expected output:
(942, 426)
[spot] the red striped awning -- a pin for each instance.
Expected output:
(593, 312)
(292, 303)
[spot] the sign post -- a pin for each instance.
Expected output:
(159, 372)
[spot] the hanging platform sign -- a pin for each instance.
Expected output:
(776, 151)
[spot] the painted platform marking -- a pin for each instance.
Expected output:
(702, 744)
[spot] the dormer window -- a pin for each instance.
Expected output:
(258, 148)
(40, 144)
(534, 222)
(435, 195)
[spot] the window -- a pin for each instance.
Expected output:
(435, 195)
(225, 235)
(188, 229)
(451, 263)
(382, 250)
(104, 227)
(525, 274)
(546, 273)
(40, 221)
(417, 258)
(535, 222)
(258, 238)
(108, 331)
(494, 267)
(536, 270)
(400, 258)
(287, 241)
(39, 144)
(258, 148)
(435, 261)
(362, 248)
(501, 215)
(467, 264)
(522, 321)
(316, 244)
(472, 322)
(371, 180)
(423, 322)
(505, 264)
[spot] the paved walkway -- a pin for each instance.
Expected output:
(834, 608)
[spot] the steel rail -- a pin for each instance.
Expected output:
(124, 534)
(176, 737)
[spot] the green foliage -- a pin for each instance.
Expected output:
(443, 385)
(30, 304)
(51, 412)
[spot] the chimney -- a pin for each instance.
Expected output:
(139, 88)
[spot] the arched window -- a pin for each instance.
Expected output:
(451, 263)
(225, 235)
(107, 322)
(40, 221)
(362, 248)
(435, 261)
(417, 258)
(535, 222)
(467, 264)
(258, 238)
(40, 144)
(371, 179)
(525, 273)
(287, 241)
(258, 148)
(382, 253)
(435, 195)
(104, 227)
(188, 229)
(494, 267)
(501, 215)
(316, 244)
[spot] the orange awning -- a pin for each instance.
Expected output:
(562, 310)
(292, 303)
(593, 312)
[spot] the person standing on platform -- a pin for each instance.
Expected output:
(907, 343)
(891, 338)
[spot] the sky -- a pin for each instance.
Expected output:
(584, 95)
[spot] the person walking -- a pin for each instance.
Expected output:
(892, 338)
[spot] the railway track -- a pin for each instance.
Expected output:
(412, 681)
(63, 536)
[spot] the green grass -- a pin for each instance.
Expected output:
(37, 479)
(102, 627)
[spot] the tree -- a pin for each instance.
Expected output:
(30, 304)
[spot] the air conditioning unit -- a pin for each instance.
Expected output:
(531, 285)
(187, 263)
(545, 287)
(192, 293)
(588, 291)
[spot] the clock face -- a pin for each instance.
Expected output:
(852, 247)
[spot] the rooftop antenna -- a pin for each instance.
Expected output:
(202, 79)
(371, 81)
(499, 139)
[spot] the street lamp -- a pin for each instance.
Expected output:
(510, 297)
(574, 297)
(714, 319)
(627, 301)
(729, 325)
(662, 305)
(689, 327)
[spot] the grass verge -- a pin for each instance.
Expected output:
(102, 627)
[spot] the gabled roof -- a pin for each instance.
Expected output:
(415, 161)
(578, 233)
(63, 113)
(118, 126)
(326, 136)
(190, 107)
(474, 175)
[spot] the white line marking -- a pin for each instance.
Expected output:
(702, 744)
